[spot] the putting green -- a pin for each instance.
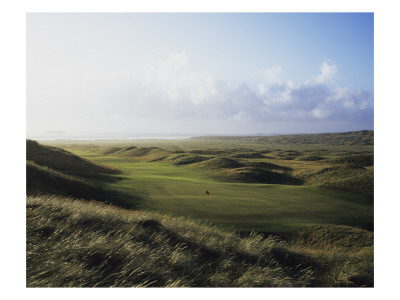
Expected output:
(180, 190)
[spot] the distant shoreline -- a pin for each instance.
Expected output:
(58, 136)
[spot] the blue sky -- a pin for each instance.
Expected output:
(200, 73)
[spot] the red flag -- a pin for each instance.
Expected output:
(207, 192)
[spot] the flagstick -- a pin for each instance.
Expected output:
(205, 200)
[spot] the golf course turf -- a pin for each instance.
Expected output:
(270, 208)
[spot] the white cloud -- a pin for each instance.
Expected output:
(326, 75)
(314, 100)
(170, 92)
(320, 113)
(351, 99)
(273, 75)
(364, 105)
(173, 77)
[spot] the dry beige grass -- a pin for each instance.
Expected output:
(74, 243)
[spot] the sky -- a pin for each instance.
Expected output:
(200, 73)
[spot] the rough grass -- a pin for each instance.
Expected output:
(272, 208)
(329, 237)
(220, 163)
(208, 151)
(265, 165)
(186, 159)
(347, 178)
(111, 150)
(247, 155)
(321, 144)
(43, 180)
(309, 158)
(347, 250)
(72, 243)
(359, 160)
(363, 138)
(260, 175)
(82, 244)
(62, 160)
(299, 156)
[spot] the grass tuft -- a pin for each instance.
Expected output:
(74, 243)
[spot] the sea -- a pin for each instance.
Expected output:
(49, 136)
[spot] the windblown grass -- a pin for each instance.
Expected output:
(62, 160)
(348, 251)
(72, 243)
(80, 243)
(43, 180)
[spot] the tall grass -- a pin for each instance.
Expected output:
(73, 243)
(44, 180)
(62, 160)
(76, 243)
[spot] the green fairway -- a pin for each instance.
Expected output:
(180, 191)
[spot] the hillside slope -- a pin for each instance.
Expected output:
(353, 138)
(80, 243)
(72, 243)
(62, 160)
(54, 171)
(345, 178)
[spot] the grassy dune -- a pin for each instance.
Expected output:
(347, 177)
(81, 178)
(71, 243)
(319, 144)
(59, 159)
(276, 208)
(280, 212)
(360, 160)
(353, 138)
